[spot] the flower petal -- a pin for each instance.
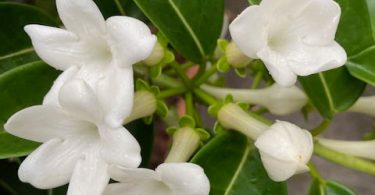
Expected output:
(51, 165)
(120, 147)
(277, 67)
(59, 48)
(80, 100)
(322, 17)
(184, 178)
(308, 59)
(90, 175)
(82, 17)
(52, 97)
(115, 93)
(248, 31)
(135, 181)
(131, 40)
(42, 123)
(277, 169)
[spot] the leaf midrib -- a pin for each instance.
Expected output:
(188, 27)
(238, 170)
(17, 53)
(328, 93)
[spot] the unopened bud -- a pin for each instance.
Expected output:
(235, 57)
(144, 105)
(156, 56)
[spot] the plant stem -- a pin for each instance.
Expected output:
(120, 8)
(345, 160)
(171, 92)
(206, 98)
(320, 129)
(313, 171)
(181, 74)
(258, 77)
(167, 81)
(212, 70)
(190, 108)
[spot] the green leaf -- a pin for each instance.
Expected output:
(329, 188)
(332, 91)
(16, 48)
(187, 121)
(254, 2)
(241, 173)
(192, 27)
(144, 133)
(161, 109)
(22, 87)
(155, 71)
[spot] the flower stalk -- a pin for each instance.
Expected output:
(185, 142)
(232, 116)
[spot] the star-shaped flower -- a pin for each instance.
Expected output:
(103, 51)
(78, 146)
(167, 179)
(292, 37)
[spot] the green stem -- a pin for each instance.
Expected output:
(258, 77)
(322, 126)
(167, 81)
(212, 70)
(345, 160)
(190, 109)
(181, 74)
(120, 8)
(313, 171)
(171, 92)
(206, 98)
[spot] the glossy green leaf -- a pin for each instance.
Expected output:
(254, 2)
(144, 133)
(234, 167)
(192, 27)
(16, 46)
(328, 188)
(332, 91)
(22, 87)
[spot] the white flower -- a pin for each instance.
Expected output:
(292, 37)
(277, 99)
(167, 179)
(363, 149)
(364, 105)
(103, 51)
(78, 146)
(285, 149)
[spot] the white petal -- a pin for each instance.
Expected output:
(51, 165)
(79, 99)
(90, 176)
(52, 97)
(278, 68)
(309, 59)
(317, 23)
(119, 147)
(248, 31)
(42, 123)
(184, 178)
(130, 39)
(277, 169)
(59, 48)
(136, 181)
(115, 93)
(286, 8)
(81, 17)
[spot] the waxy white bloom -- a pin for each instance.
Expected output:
(103, 51)
(167, 179)
(78, 146)
(285, 150)
(363, 149)
(277, 99)
(292, 37)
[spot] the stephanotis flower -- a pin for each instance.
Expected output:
(78, 146)
(292, 37)
(103, 51)
(285, 150)
(167, 179)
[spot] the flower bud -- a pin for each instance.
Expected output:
(277, 99)
(285, 150)
(144, 105)
(235, 57)
(364, 105)
(185, 142)
(232, 116)
(363, 149)
(156, 56)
